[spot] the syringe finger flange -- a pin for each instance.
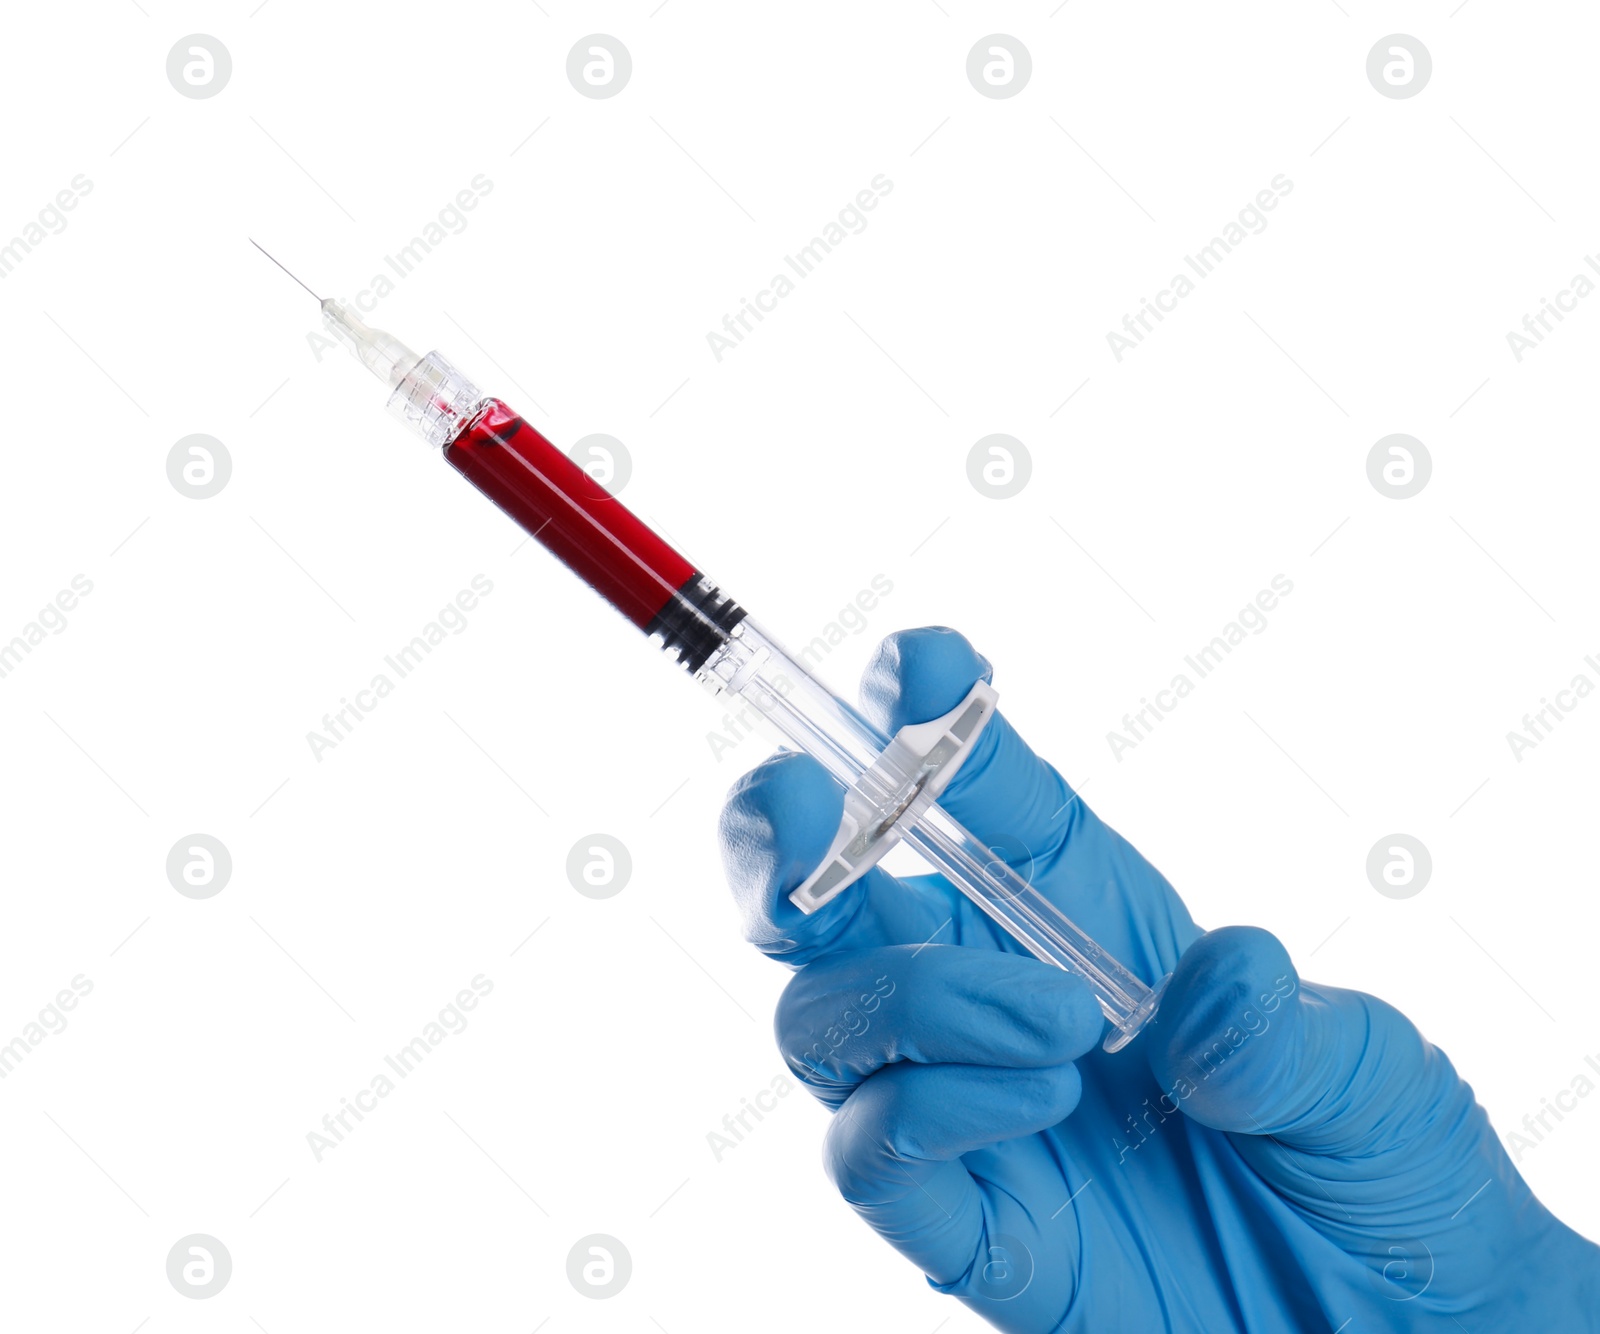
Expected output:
(905, 779)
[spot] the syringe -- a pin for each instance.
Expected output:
(890, 783)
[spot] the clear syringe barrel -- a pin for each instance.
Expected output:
(752, 665)
(644, 577)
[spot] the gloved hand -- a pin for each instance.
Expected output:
(1270, 1155)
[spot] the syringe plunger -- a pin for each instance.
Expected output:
(638, 572)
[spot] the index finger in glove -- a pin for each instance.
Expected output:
(847, 1016)
(932, 1055)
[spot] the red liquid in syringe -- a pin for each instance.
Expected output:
(595, 535)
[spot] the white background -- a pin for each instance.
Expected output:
(369, 887)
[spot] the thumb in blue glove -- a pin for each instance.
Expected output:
(1270, 1155)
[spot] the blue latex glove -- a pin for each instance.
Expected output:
(1270, 1155)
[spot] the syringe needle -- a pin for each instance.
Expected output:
(381, 353)
(257, 244)
(889, 782)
